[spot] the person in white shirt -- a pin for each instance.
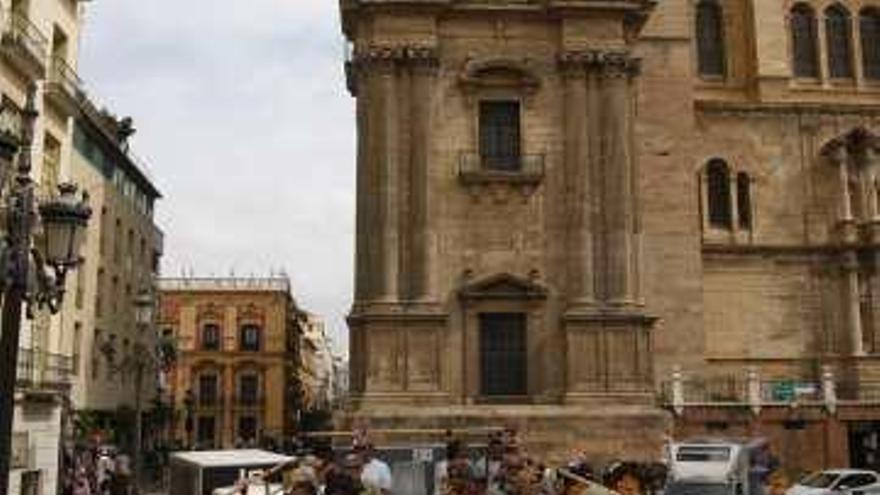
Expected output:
(376, 474)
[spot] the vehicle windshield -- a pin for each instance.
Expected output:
(819, 480)
(697, 489)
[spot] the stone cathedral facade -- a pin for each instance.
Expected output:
(583, 216)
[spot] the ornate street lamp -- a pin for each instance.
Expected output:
(24, 278)
(142, 359)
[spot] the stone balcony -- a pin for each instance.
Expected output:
(41, 372)
(523, 173)
(23, 45)
(64, 88)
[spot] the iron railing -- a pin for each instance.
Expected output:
(37, 369)
(63, 76)
(209, 401)
(19, 30)
(246, 401)
(520, 168)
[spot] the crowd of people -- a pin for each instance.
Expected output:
(97, 470)
(504, 467)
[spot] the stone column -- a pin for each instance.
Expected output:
(870, 163)
(364, 191)
(618, 166)
(389, 173)
(852, 303)
(422, 266)
(578, 166)
(840, 158)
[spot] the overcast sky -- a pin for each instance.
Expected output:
(242, 114)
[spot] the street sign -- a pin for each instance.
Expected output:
(423, 455)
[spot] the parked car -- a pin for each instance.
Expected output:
(838, 482)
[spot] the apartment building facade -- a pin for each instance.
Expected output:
(235, 380)
(39, 45)
(121, 260)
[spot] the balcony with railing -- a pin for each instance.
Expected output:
(249, 401)
(750, 390)
(39, 370)
(209, 401)
(475, 169)
(23, 44)
(64, 88)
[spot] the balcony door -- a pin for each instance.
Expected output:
(500, 135)
(503, 370)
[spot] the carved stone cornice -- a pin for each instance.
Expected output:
(606, 63)
(383, 55)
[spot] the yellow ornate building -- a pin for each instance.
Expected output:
(565, 207)
(235, 380)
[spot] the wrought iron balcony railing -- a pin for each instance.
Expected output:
(209, 401)
(475, 168)
(20, 32)
(246, 401)
(43, 370)
(63, 76)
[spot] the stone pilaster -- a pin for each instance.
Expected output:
(618, 166)
(579, 168)
(852, 307)
(423, 284)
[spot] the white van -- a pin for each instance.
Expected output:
(202, 472)
(715, 468)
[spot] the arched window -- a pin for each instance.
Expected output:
(718, 192)
(804, 40)
(744, 200)
(837, 34)
(869, 20)
(710, 38)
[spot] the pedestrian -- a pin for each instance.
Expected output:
(376, 474)
(341, 482)
(488, 468)
(104, 471)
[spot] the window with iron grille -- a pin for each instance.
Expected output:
(248, 389)
(500, 135)
(711, 52)
(210, 337)
(718, 194)
(249, 338)
(208, 395)
(870, 33)
(837, 33)
(744, 200)
(804, 41)
(503, 355)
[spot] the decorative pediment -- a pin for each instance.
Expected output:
(855, 141)
(250, 313)
(210, 312)
(503, 286)
(500, 73)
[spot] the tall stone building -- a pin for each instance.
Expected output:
(499, 268)
(563, 205)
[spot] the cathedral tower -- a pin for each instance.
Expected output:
(498, 257)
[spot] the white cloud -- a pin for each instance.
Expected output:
(242, 114)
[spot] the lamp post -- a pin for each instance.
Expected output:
(143, 357)
(25, 276)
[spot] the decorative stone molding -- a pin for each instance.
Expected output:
(607, 63)
(401, 54)
(503, 286)
(499, 72)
